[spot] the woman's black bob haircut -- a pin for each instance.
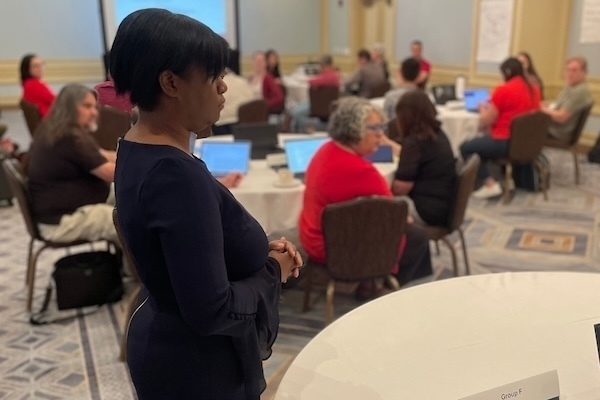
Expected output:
(153, 40)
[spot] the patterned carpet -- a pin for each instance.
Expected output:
(77, 359)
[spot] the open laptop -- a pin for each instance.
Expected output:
(473, 97)
(262, 135)
(221, 158)
(383, 154)
(299, 152)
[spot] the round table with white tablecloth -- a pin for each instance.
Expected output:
(459, 125)
(455, 338)
(277, 208)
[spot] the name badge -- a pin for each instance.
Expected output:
(539, 387)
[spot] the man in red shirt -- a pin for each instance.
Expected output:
(329, 76)
(416, 49)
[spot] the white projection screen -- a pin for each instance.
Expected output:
(219, 15)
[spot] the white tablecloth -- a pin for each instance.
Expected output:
(277, 208)
(457, 337)
(459, 125)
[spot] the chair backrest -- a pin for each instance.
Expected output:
(32, 116)
(363, 236)
(280, 108)
(19, 184)
(581, 120)
(253, 111)
(380, 90)
(465, 183)
(321, 100)
(113, 124)
(528, 133)
(124, 247)
(444, 93)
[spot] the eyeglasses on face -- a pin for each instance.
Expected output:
(378, 128)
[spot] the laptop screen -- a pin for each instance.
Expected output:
(299, 152)
(473, 97)
(383, 154)
(222, 158)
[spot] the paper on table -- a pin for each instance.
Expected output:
(590, 22)
(495, 27)
(539, 387)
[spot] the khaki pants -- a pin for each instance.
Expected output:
(91, 222)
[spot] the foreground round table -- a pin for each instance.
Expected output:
(457, 337)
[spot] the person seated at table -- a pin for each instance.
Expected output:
(416, 50)
(273, 68)
(367, 77)
(264, 85)
(409, 72)
(426, 174)
(69, 174)
(339, 172)
(35, 90)
(530, 71)
(378, 57)
(571, 101)
(516, 96)
(329, 77)
(238, 92)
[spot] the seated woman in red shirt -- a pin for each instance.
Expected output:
(516, 96)
(35, 91)
(339, 172)
(264, 84)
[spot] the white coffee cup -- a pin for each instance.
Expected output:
(285, 176)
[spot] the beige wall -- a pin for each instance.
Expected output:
(541, 27)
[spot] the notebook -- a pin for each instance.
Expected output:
(222, 158)
(473, 97)
(299, 152)
(262, 135)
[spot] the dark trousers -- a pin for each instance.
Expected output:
(488, 149)
(416, 259)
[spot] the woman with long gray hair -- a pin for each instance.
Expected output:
(69, 174)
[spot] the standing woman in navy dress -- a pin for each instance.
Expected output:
(208, 313)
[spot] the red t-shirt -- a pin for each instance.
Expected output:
(107, 96)
(326, 78)
(511, 99)
(333, 176)
(425, 66)
(38, 93)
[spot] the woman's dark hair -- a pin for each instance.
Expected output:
(364, 53)
(511, 68)
(416, 116)
(25, 66)
(272, 70)
(532, 71)
(151, 41)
